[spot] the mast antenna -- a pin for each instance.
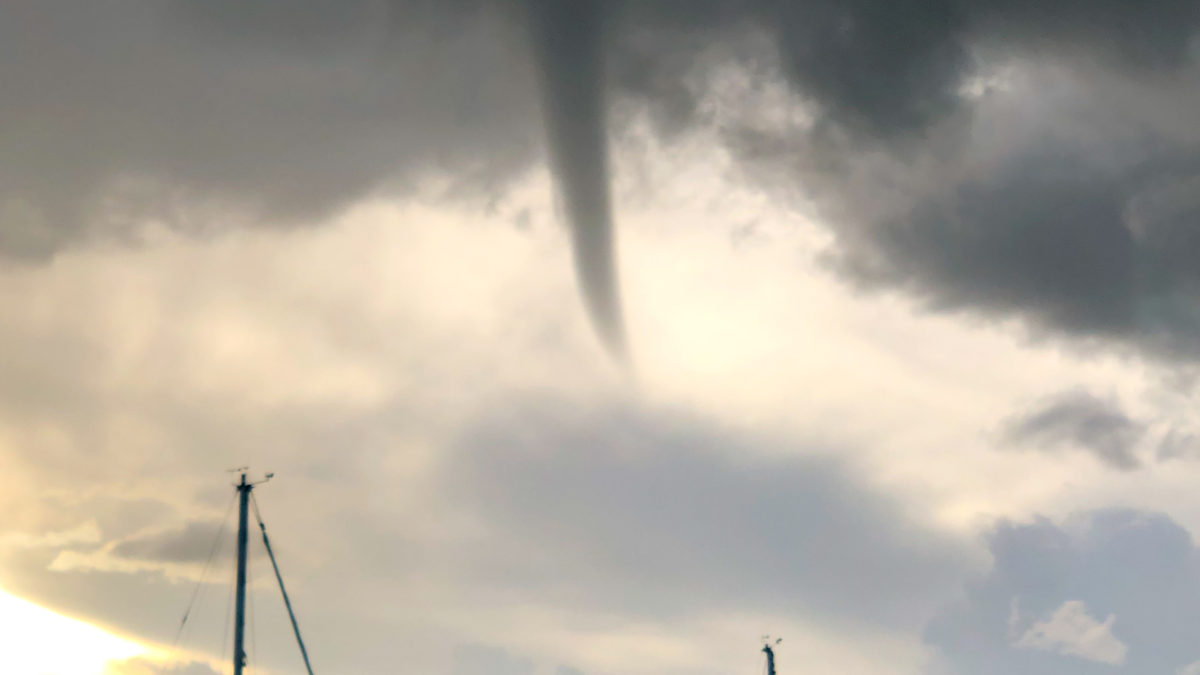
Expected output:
(769, 650)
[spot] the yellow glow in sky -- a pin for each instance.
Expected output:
(37, 641)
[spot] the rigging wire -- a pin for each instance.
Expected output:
(228, 614)
(253, 618)
(197, 590)
(282, 590)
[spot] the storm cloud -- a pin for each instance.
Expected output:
(202, 116)
(1058, 237)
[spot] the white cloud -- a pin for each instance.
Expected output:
(1073, 632)
(85, 533)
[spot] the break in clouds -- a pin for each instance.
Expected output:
(1101, 592)
(1008, 159)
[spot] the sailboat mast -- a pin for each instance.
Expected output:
(239, 625)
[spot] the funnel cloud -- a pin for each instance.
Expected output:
(567, 42)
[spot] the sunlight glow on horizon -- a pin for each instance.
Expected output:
(42, 642)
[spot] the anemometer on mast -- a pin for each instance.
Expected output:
(769, 650)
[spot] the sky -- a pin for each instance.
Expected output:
(602, 338)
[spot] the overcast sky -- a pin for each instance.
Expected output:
(603, 338)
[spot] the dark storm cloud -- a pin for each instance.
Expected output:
(666, 517)
(1081, 420)
(1068, 203)
(196, 113)
(1140, 568)
(127, 107)
(1057, 237)
(875, 67)
(884, 68)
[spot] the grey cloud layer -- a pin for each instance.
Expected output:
(476, 659)
(671, 517)
(192, 543)
(121, 109)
